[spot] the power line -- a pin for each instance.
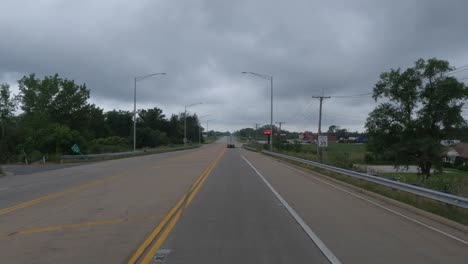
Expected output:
(353, 95)
(280, 123)
(458, 68)
(458, 71)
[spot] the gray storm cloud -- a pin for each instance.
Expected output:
(310, 47)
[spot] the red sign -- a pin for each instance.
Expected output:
(267, 132)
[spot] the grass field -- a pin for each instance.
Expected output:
(450, 181)
(345, 155)
(336, 154)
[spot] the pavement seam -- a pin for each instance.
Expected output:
(71, 190)
(78, 225)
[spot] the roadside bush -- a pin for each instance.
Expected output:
(341, 160)
(447, 165)
(463, 167)
(287, 147)
(458, 162)
(297, 147)
(110, 141)
(369, 158)
(35, 156)
(444, 184)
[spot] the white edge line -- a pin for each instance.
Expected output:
(1, 189)
(328, 254)
(381, 206)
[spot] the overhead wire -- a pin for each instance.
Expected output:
(459, 69)
(352, 96)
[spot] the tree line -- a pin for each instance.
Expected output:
(418, 108)
(51, 114)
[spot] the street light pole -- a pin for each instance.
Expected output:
(134, 103)
(134, 117)
(271, 114)
(270, 78)
(185, 121)
(207, 126)
(256, 129)
(199, 129)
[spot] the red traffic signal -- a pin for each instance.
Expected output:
(267, 132)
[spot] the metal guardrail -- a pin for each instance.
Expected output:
(249, 148)
(121, 154)
(428, 193)
(103, 155)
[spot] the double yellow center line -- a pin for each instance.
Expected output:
(155, 240)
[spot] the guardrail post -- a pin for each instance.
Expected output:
(446, 198)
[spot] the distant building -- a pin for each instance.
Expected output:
(449, 142)
(456, 152)
(349, 140)
(312, 138)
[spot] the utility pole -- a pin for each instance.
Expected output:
(319, 149)
(279, 132)
(256, 132)
(280, 123)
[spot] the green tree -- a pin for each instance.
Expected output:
(421, 106)
(55, 100)
(119, 123)
(333, 129)
(7, 107)
(153, 118)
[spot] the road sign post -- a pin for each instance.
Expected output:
(268, 134)
(323, 141)
(75, 148)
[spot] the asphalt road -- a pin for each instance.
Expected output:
(209, 205)
(237, 219)
(35, 168)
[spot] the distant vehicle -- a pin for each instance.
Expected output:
(230, 143)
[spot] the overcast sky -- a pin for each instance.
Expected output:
(334, 48)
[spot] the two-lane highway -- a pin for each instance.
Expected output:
(210, 205)
(96, 213)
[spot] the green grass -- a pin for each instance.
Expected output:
(450, 181)
(345, 155)
(336, 154)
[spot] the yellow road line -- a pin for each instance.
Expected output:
(68, 191)
(79, 225)
(187, 198)
(160, 241)
(149, 257)
(141, 249)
